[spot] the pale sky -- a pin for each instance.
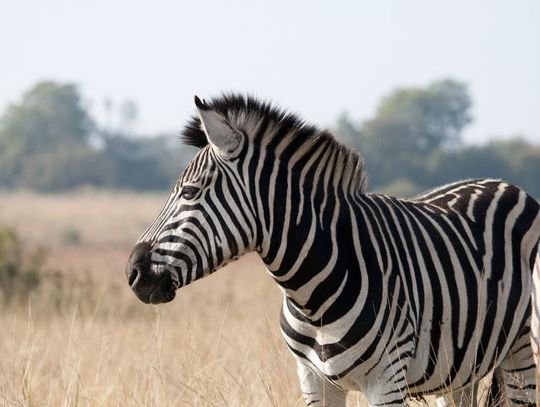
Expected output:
(318, 58)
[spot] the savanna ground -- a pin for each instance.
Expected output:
(83, 339)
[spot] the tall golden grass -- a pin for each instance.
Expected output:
(84, 339)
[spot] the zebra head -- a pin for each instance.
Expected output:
(207, 220)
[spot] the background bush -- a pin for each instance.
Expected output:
(20, 271)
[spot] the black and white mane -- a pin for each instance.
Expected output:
(267, 124)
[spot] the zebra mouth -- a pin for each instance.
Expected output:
(164, 290)
(151, 284)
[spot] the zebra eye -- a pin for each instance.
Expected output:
(189, 192)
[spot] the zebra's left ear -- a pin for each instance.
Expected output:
(218, 130)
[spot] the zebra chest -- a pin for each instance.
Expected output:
(330, 349)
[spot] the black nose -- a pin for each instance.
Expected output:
(138, 263)
(148, 285)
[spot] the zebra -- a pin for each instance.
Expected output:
(397, 298)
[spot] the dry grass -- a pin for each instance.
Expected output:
(216, 344)
(85, 340)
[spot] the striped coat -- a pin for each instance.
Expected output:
(396, 298)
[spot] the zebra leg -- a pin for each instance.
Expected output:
(389, 391)
(317, 391)
(535, 318)
(518, 371)
(388, 396)
(389, 388)
(466, 397)
(495, 393)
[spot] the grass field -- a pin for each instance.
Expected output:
(84, 339)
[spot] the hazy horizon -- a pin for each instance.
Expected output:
(316, 58)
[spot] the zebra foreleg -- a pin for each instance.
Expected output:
(388, 391)
(460, 398)
(518, 371)
(535, 318)
(317, 391)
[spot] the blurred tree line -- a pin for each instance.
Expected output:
(50, 142)
(414, 142)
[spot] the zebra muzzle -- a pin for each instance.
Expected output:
(149, 286)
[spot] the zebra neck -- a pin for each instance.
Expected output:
(316, 260)
(305, 200)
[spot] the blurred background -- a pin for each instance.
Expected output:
(93, 96)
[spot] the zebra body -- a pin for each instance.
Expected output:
(396, 298)
(455, 309)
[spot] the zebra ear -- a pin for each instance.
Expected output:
(218, 130)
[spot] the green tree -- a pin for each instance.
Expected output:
(524, 160)
(68, 168)
(433, 116)
(410, 124)
(467, 162)
(144, 162)
(530, 171)
(390, 150)
(347, 131)
(49, 115)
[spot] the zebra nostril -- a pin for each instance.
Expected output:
(138, 263)
(133, 274)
